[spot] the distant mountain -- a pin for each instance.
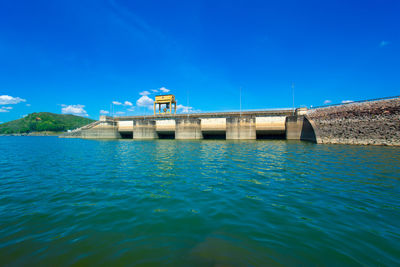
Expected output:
(44, 121)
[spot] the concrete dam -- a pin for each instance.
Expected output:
(221, 125)
(366, 123)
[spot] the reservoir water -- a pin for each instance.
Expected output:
(197, 203)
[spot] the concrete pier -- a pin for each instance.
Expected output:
(188, 128)
(294, 126)
(241, 128)
(299, 126)
(144, 129)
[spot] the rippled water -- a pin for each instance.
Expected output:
(197, 203)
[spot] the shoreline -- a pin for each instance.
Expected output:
(34, 134)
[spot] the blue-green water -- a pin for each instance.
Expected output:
(197, 203)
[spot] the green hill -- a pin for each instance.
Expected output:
(44, 121)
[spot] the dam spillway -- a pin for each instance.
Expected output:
(223, 125)
(248, 125)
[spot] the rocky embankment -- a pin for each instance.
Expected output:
(366, 123)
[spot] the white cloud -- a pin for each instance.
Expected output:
(145, 101)
(145, 93)
(23, 116)
(104, 112)
(7, 107)
(9, 100)
(131, 109)
(74, 109)
(154, 91)
(2, 109)
(28, 105)
(184, 109)
(347, 101)
(164, 90)
(384, 43)
(327, 102)
(126, 103)
(119, 112)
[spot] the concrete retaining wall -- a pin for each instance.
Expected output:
(97, 130)
(102, 132)
(367, 123)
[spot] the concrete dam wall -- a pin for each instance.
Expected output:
(230, 126)
(366, 123)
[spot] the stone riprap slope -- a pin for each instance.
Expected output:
(366, 123)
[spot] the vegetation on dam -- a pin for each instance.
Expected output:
(44, 121)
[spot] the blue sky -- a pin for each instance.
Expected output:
(80, 56)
